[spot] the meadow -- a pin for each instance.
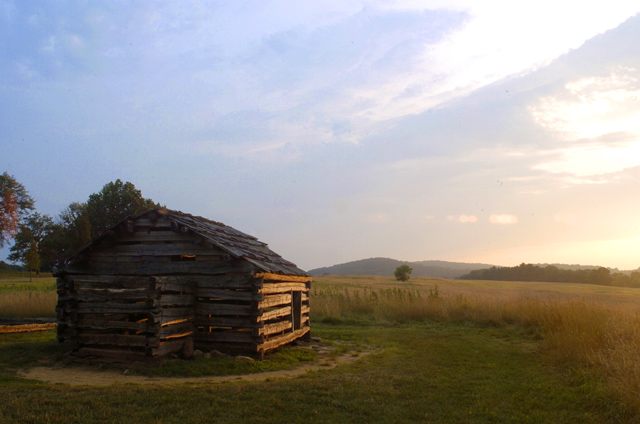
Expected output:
(444, 351)
(22, 296)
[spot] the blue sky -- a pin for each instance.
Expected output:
(456, 130)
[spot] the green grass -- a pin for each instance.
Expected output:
(421, 372)
(45, 285)
(20, 350)
(24, 277)
(470, 352)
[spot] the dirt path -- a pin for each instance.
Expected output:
(78, 376)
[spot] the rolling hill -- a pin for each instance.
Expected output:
(386, 266)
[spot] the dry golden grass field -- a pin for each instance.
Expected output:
(589, 328)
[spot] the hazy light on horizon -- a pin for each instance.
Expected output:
(336, 131)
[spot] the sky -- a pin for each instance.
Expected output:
(484, 131)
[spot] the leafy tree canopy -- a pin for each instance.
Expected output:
(113, 203)
(403, 272)
(15, 203)
(32, 258)
(41, 242)
(30, 241)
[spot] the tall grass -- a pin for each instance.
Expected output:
(28, 304)
(591, 337)
(28, 300)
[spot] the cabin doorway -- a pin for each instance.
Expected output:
(296, 310)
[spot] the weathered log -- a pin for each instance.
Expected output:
(118, 325)
(176, 313)
(216, 321)
(282, 340)
(275, 313)
(227, 280)
(273, 288)
(177, 300)
(120, 295)
(204, 309)
(228, 294)
(85, 282)
(120, 355)
(116, 307)
(178, 247)
(152, 238)
(275, 300)
(269, 329)
(171, 331)
(151, 267)
(267, 276)
(117, 340)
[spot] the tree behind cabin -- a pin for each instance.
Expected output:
(113, 203)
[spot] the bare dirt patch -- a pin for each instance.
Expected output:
(78, 376)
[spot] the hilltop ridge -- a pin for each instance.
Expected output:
(386, 266)
(430, 268)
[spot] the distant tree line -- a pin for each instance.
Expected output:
(5, 267)
(41, 242)
(553, 274)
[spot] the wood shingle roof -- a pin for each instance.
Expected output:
(236, 243)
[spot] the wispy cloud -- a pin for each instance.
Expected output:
(412, 129)
(599, 119)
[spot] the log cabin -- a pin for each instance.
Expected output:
(166, 282)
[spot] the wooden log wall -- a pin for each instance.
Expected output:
(125, 316)
(250, 314)
(146, 248)
(151, 288)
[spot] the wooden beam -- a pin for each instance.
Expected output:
(177, 300)
(117, 340)
(121, 355)
(269, 329)
(269, 315)
(113, 307)
(268, 276)
(275, 300)
(282, 340)
(272, 288)
(228, 294)
(204, 309)
(118, 325)
(247, 322)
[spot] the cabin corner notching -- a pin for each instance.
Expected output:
(166, 282)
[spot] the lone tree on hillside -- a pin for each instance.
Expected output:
(403, 272)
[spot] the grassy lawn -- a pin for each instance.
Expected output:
(443, 351)
(427, 372)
